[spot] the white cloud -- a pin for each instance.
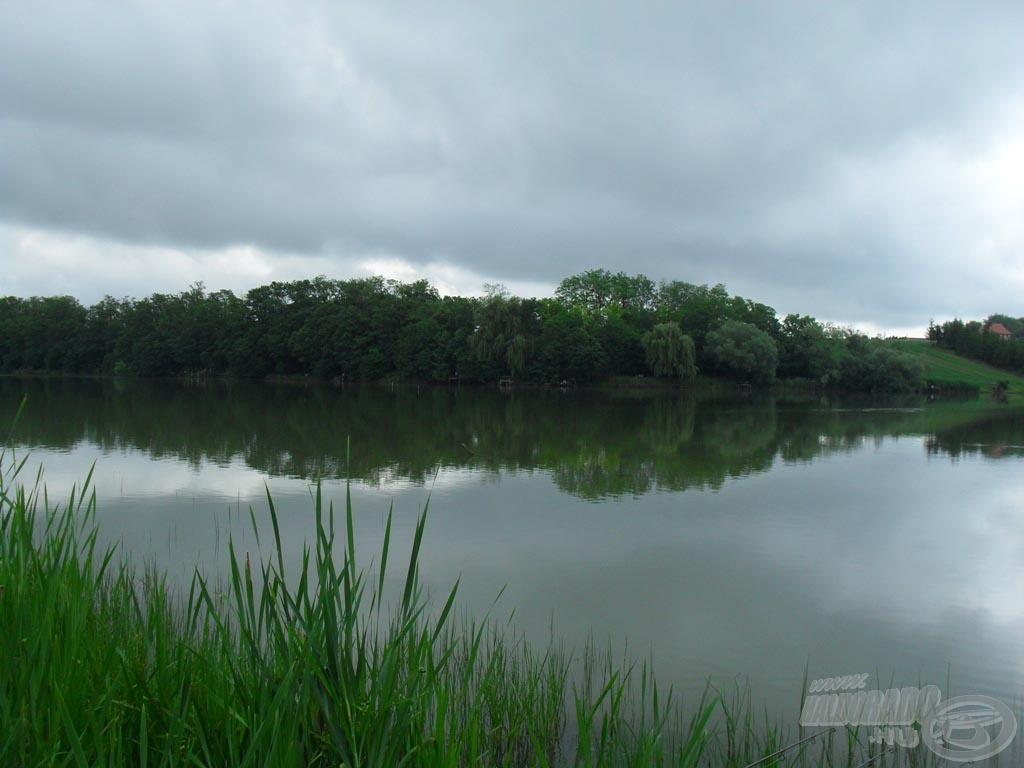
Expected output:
(853, 162)
(48, 262)
(448, 278)
(44, 262)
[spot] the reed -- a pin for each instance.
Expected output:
(107, 665)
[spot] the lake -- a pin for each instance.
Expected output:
(731, 538)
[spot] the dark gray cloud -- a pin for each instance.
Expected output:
(848, 161)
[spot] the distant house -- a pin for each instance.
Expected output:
(1000, 330)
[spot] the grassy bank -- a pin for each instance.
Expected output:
(107, 665)
(949, 370)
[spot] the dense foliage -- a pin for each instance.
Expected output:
(597, 325)
(976, 340)
(744, 351)
(670, 352)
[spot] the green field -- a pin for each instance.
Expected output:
(945, 367)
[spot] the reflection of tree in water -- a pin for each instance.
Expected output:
(590, 477)
(740, 432)
(595, 445)
(996, 436)
(680, 444)
(668, 423)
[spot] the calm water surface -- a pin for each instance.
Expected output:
(730, 538)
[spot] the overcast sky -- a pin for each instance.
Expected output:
(862, 162)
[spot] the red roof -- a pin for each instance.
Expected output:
(999, 329)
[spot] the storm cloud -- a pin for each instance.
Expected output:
(861, 162)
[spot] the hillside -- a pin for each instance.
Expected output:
(945, 367)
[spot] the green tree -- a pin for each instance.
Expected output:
(565, 346)
(806, 351)
(744, 351)
(104, 329)
(504, 332)
(760, 315)
(697, 308)
(670, 352)
(597, 291)
(870, 365)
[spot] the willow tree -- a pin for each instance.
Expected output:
(670, 352)
(504, 330)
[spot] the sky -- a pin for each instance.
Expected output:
(861, 162)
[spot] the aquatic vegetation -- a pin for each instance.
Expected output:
(109, 665)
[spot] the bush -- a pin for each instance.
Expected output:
(744, 351)
(871, 366)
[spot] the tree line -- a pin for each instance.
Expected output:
(974, 339)
(599, 324)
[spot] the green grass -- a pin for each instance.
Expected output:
(108, 666)
(947, 368)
